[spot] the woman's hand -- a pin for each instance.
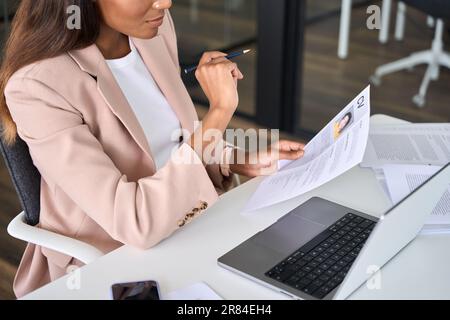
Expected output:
(266, 162)
(218, 78)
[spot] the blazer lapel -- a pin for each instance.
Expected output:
(156, 56)
(91, 60)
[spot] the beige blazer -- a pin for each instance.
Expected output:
(99, 183)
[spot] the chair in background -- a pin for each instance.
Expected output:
(383, 37)
(434, 58)
(344, 29)
(27, 182)
(401, 21)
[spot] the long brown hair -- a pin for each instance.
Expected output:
(39, 31)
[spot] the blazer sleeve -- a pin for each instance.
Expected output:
(67, 154)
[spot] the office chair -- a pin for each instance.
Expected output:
(401, 21)
(27, 182)
(434, 58)
(345, 24)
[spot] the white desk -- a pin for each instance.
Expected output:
(420, 271)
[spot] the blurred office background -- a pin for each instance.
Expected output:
(295, 80)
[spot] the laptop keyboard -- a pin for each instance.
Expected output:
(321, 265)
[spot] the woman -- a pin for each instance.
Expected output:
(97, 107)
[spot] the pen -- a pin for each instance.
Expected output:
(230, 56)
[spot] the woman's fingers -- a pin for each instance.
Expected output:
(219, 57)
(207, 57)
(291, 155)
(235, 73)
(230, 65)
(273, 168)
(238, 74)
(286, 145)
(263, 170)
(216, 57)
(225, 63)
(287, 150)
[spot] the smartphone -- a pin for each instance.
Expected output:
(145, 290)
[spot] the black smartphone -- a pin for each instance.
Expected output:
(145, 290)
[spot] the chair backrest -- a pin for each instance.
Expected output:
(435, 8)
(25, 177)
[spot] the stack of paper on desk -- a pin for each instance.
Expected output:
(337, 148)
(415, 144)
(405, 156)
(404, 179)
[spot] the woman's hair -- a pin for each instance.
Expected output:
(39, 31)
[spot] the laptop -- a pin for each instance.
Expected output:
(322, 250)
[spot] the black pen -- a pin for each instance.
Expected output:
(230, 56)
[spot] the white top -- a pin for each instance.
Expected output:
(156, 116)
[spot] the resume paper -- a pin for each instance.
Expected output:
(339, 147)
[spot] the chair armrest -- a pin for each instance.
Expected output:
(84, 252)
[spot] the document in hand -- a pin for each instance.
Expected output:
(339, 147)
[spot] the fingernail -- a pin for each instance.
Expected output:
(156, 5)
